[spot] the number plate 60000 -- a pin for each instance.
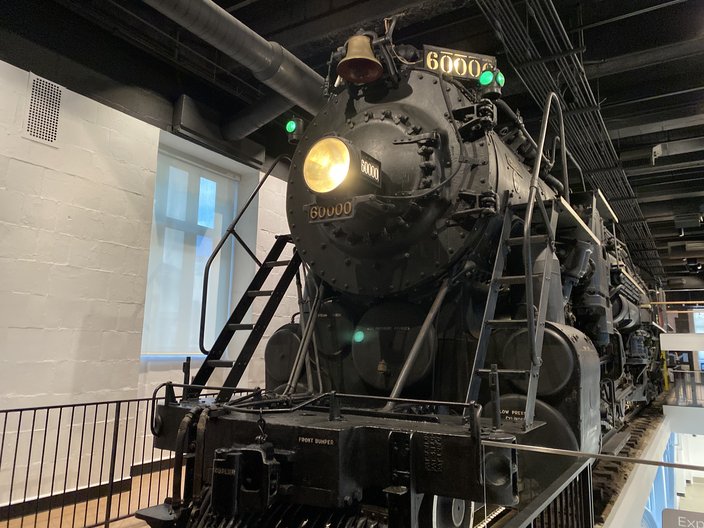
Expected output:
(327, 212)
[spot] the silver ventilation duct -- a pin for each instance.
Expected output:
(269, 62)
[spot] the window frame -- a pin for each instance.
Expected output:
(190, 229)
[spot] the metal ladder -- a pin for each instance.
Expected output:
(535, 314)
(256, 329)
(234, 323)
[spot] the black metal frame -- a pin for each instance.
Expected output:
(80, 465)
(567, 502)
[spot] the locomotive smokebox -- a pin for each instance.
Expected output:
(372, 198)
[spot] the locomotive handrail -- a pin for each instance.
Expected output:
(532, 198)
(230, 231)
(571, 157)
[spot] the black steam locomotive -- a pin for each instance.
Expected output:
(456, 299)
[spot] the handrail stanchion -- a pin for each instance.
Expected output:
(532, 197)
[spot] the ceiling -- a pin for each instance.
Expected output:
(644, 60)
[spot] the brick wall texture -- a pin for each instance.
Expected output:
(75, 220)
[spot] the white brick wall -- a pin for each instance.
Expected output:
(75, 225)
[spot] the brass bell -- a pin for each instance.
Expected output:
(360, 65)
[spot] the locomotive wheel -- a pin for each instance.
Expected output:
(445, 512)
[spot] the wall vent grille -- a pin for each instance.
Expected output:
(44, 108)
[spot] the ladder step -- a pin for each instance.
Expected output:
(516, 279)
(524, 205)
(507, 322)
(275, 263)
(534, 239)
(220, 363)
(235, 326)
(505, 372)
(260, 293)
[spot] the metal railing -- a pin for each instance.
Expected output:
(566, 502)
(687, 388)
(80, 465)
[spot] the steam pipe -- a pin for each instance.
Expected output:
(563, 186)
(305, 342)
(181, 437)
(269, 62)
(418, 344)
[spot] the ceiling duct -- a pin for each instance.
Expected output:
(688, 220)
(254, 117)
(269, 62)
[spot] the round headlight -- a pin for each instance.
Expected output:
(327, 164)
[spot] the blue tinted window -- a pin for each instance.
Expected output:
(206, 203)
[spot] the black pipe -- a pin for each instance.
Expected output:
(181, 437)
(519, 123)
(269, 62)
(418, 344)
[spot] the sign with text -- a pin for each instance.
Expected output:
(682, 519)
(462, 64)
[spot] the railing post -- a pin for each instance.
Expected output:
(113, 458)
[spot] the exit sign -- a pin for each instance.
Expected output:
(682, 519)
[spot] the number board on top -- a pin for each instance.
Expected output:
(461, 64)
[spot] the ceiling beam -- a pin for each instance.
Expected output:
(625, 15)
(656, 123)
(670, 167)
(664, 149)
(648, 98)
(669, 233)
(645, 59)
(663, 197)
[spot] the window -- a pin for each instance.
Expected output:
(193, 205)
(698, 317)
